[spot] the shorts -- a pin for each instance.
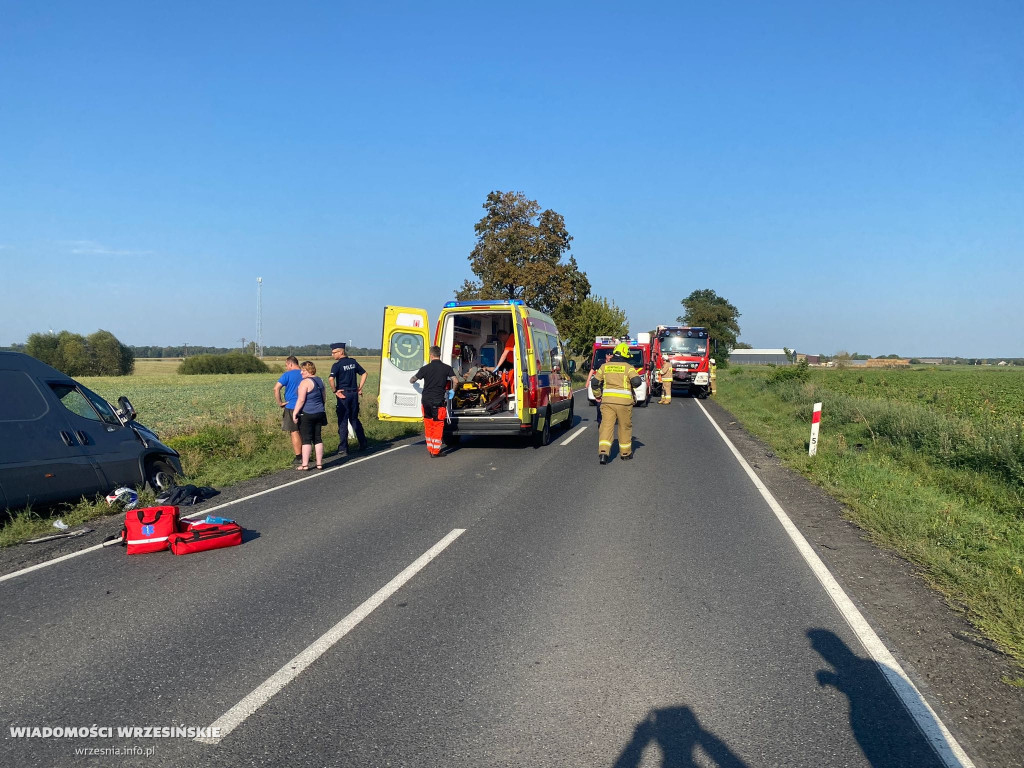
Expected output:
(310, 425)
(287, 422)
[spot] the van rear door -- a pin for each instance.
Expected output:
(405, 346)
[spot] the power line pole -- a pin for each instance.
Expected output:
(259, 317)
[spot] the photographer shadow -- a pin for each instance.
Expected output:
(678, 734)
(887, 734)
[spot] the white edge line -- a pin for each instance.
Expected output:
(934, 730)
(262, 694)
(574, 435)
(204, 512)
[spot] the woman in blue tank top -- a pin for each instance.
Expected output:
(310, 414)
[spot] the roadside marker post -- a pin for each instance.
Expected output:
(815, 421)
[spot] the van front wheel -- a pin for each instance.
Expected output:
(160, 476)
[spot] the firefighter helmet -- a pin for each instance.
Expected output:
(622, 350)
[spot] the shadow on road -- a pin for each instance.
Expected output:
(887, 734)
(677, 733)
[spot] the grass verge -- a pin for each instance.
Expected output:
(944, 490)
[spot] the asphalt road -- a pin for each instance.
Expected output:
(586, 616)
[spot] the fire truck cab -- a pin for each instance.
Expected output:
(689, 350)
(640, 358)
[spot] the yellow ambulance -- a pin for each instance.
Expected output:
(532, 398)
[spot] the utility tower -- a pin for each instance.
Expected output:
(259, 317)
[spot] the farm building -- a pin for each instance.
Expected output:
(758, 357)
(887, 362)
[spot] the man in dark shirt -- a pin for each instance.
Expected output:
(347, 379)
(436, 376)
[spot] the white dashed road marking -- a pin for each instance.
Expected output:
(261, 695)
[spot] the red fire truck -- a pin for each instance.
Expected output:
(689, 351)
(640, 358)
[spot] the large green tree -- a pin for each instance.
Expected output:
(43, 346)
(518, 255)
(706, 309)
(595, 316)
(109, 356)
(101, 354)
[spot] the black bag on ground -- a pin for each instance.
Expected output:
(185, 495)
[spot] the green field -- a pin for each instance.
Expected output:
(954, 390)
(929, 461)
(174, 405)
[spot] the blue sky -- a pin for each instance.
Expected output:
(849, 175)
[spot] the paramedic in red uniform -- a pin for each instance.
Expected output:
(507, 344)
(436, 376)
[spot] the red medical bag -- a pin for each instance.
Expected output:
(147, 530)
(200, 536)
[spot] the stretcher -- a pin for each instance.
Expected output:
(482, 393)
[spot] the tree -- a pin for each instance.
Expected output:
(43, 346)
(518, 255)
(595, 316)
(108, 355)
(706, 309)
(73, 354)
(99, 355)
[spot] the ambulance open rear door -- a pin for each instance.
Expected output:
(404, 350)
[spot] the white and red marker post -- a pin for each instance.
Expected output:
(815, 421)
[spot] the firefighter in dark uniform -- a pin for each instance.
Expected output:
(347, 379)
(613, 385)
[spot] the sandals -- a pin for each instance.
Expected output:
(319, 466)
(303, 468)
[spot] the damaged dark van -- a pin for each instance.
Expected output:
(60, 441)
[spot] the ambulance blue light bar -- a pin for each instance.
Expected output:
(488, 303)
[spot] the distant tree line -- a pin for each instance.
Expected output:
(305, 350)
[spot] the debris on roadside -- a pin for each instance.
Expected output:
(67, 535)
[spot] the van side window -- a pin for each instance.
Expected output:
(553, 351)
(22, 400)
(542, 351)
(74, 401)
(103, 407)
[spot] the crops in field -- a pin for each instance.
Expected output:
(173, 405)
(961, 419)
(967, 392)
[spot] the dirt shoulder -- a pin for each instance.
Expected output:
(950, 662)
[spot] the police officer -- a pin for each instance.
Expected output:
(666, 381)
(613, 385)
(343, 380)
